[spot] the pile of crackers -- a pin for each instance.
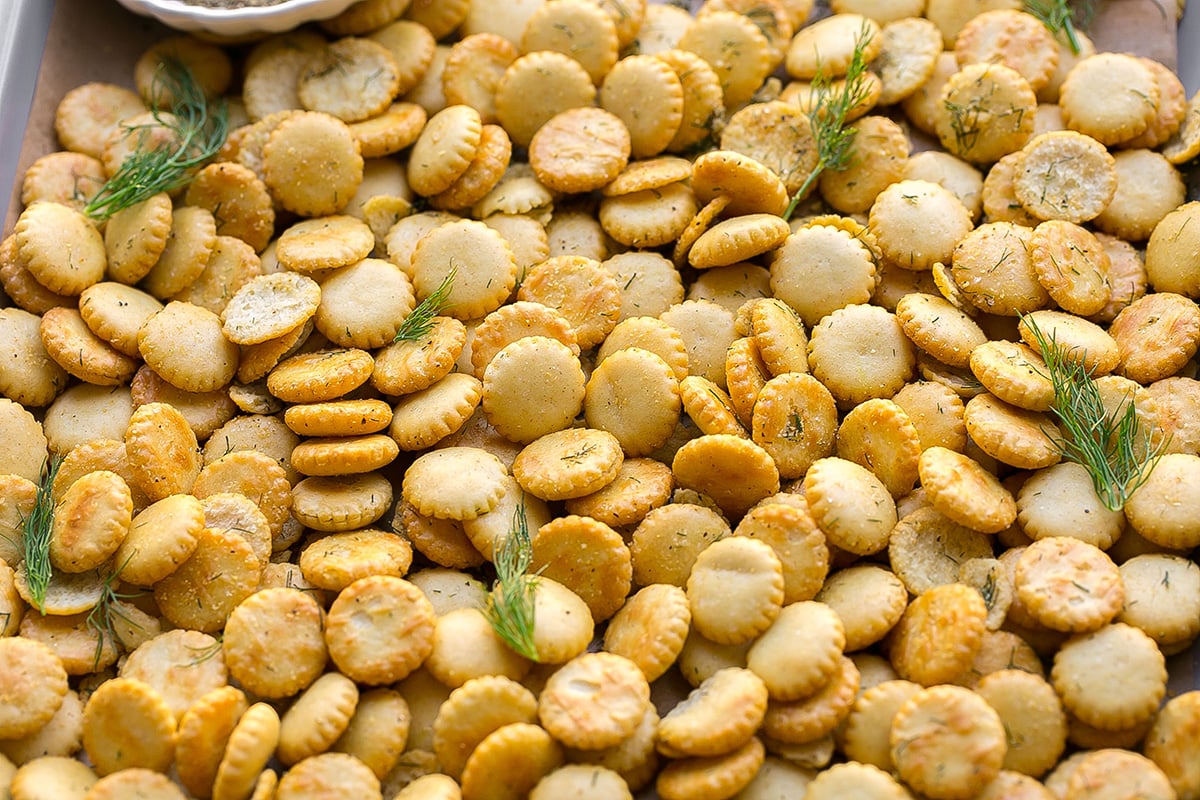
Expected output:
(774, 433)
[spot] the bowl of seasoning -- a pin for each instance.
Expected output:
(236, 18)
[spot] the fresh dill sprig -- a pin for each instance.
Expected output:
(1059, 17)
(103, 617)
(37, 529)
(207, 652)
(1112, 446)
(827, 115)
(199, 132)
(510, 604)
(965, 121)
(419, 322)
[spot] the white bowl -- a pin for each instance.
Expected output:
(237, 22)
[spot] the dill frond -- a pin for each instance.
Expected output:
(965, 122)
(37, 528)
(830, 107)
(419, 322)
(510, 607)
(206, 653)
(103, 617)
(1061, 19)
(1114, 449)
(199, 132)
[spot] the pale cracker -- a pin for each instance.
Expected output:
(650, 217)
(20, 285)
(63, 177)
(115, 312)
(352, 79)
(241, 198)
(88, 114)
(645, 81)
(524, 101)
(1123, 114)
(908, 54)
(840, 344)
(713, 35)
(192, 239)
(987, 112)
(918, 223)
(431, 475)
(1087, 674)
(398, 639)
(921, 741)
(992, 268)
(1075, 195)
(735, 472)
(581, 290)
(703, 97)
(184, 345)
(135, 237)
(341, 503)
(474, 67)
(72, 345)
(828, 46)
(884, 148)
(1148, 189)
(312, 164)
(481, 262)
(735, 590)
(60, 247)
(220, 573)
(868, 599)
(269, 85)
(320, 376)
(182, 665)
(126, 723)
(533, 372)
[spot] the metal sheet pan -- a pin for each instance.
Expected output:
(48, 46)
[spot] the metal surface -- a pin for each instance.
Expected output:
(23, 28)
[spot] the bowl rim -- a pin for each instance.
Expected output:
(239, 21)
(200, 11)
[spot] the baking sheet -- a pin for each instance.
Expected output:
(87, 40)
(23, 28)
(29, 94)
